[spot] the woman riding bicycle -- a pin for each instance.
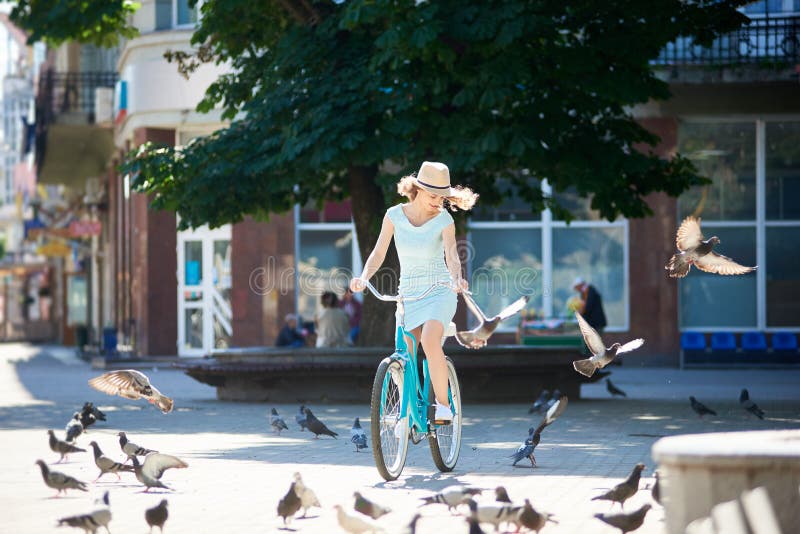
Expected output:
(425, 238)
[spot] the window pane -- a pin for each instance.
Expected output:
(512, 208)
(597, 255)
(193, 324)
(783, 170)
(193, 263)
(725, 153)
(712, 300)
(186, 15)
(506, 264)
(580, 207)
(783, 278)
(324, 264)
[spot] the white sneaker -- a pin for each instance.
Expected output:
(443, 415)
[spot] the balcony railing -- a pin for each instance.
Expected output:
(769, 41)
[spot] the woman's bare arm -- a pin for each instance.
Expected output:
(377, 256)
(451, 256)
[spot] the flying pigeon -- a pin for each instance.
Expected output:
(369, 508)
(534, 434)
(307, 496)
(90, 522)
(501, 495)
(700, 408)
(539, 403)
(300, 418)
(62, 447)
(74, 428)
(693, 250)
(277, 422)
(133, 385)
(289, 504)
(553, 398)
(495, 513)
(130, 448)
(316, 426)
(106, 464)
(355, 524)
(625, 522)
(357, 435)
(614, 390)
(750, 406)
(529, 518)
(602, 356)
(151, 470)
(624, 490)
(59, 481)
(157, 516)
(452, 496)
(478, 336)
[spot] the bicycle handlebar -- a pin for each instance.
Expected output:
(396, 298)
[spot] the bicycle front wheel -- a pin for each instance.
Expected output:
(388, 424)
(446, 444)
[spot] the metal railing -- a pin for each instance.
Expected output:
(769, 41)
(70, 92)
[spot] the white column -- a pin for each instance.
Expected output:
(547, 255)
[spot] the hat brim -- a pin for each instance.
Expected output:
(448, 192)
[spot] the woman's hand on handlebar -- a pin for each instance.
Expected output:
(357, 285)
(461, 284)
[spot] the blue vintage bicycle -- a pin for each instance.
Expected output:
(402, 405)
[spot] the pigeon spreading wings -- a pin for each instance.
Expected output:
(601, 356)
(697, 251)
(133, 385)
(478, 336)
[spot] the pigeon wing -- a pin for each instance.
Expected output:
(512, 309)
(473, 307)
(126, 383)
(156, 463)
(631, 345)
(689, 234)
(719, 264)
(553, 413)
(590, 336)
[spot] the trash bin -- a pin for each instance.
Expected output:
(81, 339)
(110, 342)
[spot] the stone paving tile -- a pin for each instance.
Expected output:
(239, 468)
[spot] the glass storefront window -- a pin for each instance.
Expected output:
(783, 170)
(324, 264)
(725, 152)
(783, 278)
(598, 256)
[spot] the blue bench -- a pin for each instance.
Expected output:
(784, 347)
(693, 349)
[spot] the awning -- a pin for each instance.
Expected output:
(75, 152)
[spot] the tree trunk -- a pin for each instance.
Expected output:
(368, 207)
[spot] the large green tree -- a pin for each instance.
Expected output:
(331, 100)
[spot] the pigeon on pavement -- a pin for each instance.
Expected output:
(478, 336)
(289, 504)
(656, 491)
(358, 436)
(602, 355)
(91, 412)
(411, 528)
(474, 525)
(157, 516)
(130, 448)
(495, 513)
(133, 385)
(277, 422)
(90, 522)
(534, 434)
(74, 428)
(307, 496)
(700, 408)
(750, 406)
(624, 490)
(529, 518)
(300, 418)
(59, 481)
(625, 522)
(62, 447)
(316, 426)
(355, 524)
(106, 464)
(86, 418)
(539, 403)
(150, 471)
(614, 390)
(451, 496)
(369, 508)
(501, 495)
(694, 250)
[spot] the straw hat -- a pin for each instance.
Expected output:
(434, 178)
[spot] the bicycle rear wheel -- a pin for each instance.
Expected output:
(446, 445)
(388, 425)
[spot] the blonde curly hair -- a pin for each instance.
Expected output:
(463, 199)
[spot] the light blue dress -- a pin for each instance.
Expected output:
(421, 252)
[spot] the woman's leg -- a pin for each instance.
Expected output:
(432, 332)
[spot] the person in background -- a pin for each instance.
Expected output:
(352, 308)
(289, 336)
(592, 308)
(333, 325)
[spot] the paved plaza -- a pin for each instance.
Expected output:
(238, 469)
